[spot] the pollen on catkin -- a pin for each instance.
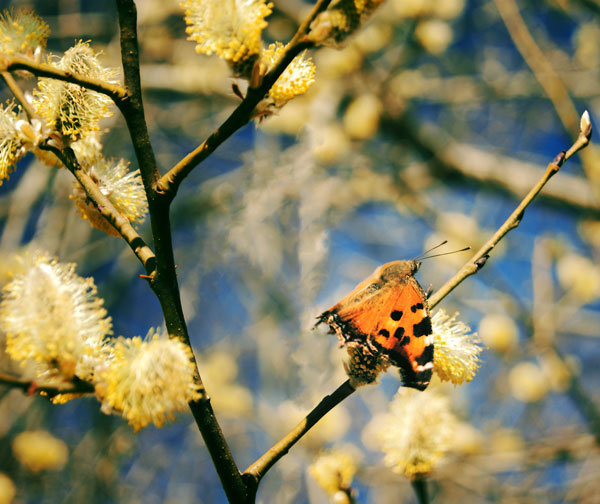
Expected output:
(70, 109)
(229, 28)
(147, 380)
(295, 79)
(456, 354)
(53, 318)
(12, 140)
(22, 32)
(123, 188)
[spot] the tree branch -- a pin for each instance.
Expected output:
(105, 207)
(420, 487)
(170, 181)
(481, 256)
(18, 93)
(30, 386)
(164, 280)
(114, 91)
(132, 106)
(255, 472)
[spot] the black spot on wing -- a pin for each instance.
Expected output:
(415, 307)
(426, 356)
(423, 328)
(405, 341)
(385, 333)
(396, 315)
(398, 333)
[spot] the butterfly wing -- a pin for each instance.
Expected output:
(394, 318)
(404, 334)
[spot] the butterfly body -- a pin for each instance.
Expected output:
(387, 313)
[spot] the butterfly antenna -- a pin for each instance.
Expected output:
(422, 254)
(445, 253)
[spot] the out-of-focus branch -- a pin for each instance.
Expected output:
(581, 399)
(479, 259)
(545, 74)
(592, 5)
(170, 181)
(447, 157)
(544, 335)
(31, 386)
(550, 81)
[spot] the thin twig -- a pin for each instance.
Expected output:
(479, 259)
(302, 30)
(170, 181)
(18, 93)
(114, 91)
(31, 386)
(420, 487)
(544, 335)
(105, 207)
(258, 469)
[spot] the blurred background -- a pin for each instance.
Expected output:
(431, 123)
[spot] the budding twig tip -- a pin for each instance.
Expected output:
(585, 125)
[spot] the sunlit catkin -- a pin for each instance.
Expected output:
(122, 187)
(229, 28)
(22, 32)
(12, 140)
(53, 317)
(147, 380)
(457, 350)
(295, 79)
(334, 470)
(69, 109)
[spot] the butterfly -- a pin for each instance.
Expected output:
(387, 313)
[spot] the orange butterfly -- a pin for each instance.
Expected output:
(387, 314)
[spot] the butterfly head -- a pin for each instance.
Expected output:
(399, 269)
